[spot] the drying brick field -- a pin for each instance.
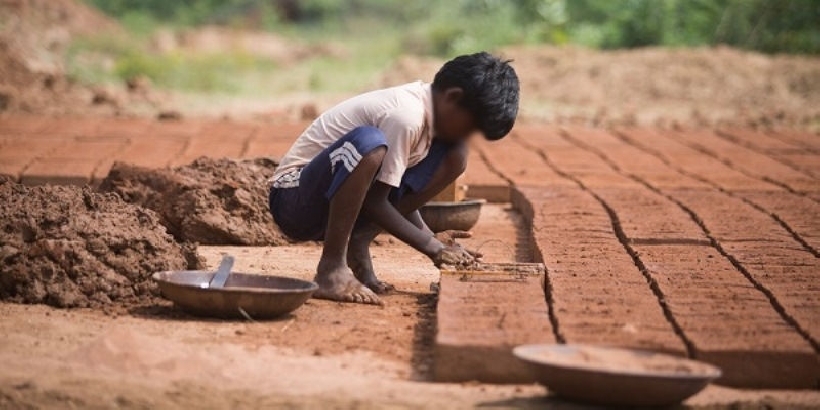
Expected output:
(702, 242)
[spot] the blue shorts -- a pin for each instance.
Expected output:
(301, 210)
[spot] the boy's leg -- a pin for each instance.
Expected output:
(449, 167)
(336, 280)
(322, 200)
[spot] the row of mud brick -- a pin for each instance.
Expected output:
(79, 151)
(697, 243)
(701, 243)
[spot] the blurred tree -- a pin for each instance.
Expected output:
(767, 25)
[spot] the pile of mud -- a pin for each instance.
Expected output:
(211, 201)
(654, 86)
(71, 247)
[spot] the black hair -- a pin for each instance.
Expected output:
(490, 88)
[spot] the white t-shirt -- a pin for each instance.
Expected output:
(404, 114)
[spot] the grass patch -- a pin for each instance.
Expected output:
(192, 72)
(355, 60)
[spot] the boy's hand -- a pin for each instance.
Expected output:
(454, 255)
(449, 237)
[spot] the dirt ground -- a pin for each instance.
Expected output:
(325, 354)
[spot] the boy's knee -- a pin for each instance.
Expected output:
(376, 155)
(367, 136)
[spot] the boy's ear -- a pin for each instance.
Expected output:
(454, 95)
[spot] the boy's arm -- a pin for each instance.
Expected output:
(415, 218)
(383, 213)
(379, 210)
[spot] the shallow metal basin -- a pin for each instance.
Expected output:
(244, 295)
(442, 215)
(616, 377)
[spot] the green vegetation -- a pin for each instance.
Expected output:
(373, 32)
(189, 72)
(449, 27)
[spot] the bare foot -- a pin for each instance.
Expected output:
(340, 285)
(358, 259)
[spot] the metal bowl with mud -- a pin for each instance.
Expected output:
(233, 295)
(614, 376)
(457, 215)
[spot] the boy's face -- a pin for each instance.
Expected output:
(453, 122)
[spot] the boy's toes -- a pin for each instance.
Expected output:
(380, 287)
(354, 294)
(369, 297)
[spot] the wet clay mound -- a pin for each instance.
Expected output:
(211, 201)
(71, 247)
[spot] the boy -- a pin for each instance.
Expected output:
(370, 162)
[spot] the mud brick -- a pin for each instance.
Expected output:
(645, 216)
(744, 159)
(542, 138)
(534, 131)
(288, 131)
(214, 146)
(269, 144)
(759, 140)
(26, 146)
(693, 162)
(574, 160)
(267, 147)
(175, 129)
(767, 251)
(806, 162)
(89, 148)
(729, 218)
(482, 182)
(13, 166)
(729, 322)
(519, 164)
(22, 125)
(76, 161)
(101, 171)
(60, 171)
(124, 128)
(227, 128)
(153, 152)
(273, 140)
(69, 127)
(789, 274)
(228, 138)
(800, 138)
(632, 160)
(801, 213)
(479, 321)
(599, 295)
(648, 217)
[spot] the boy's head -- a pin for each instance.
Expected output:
(476, 92)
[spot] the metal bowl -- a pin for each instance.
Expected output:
(616, 377)
(244, 295)
(443, 215)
